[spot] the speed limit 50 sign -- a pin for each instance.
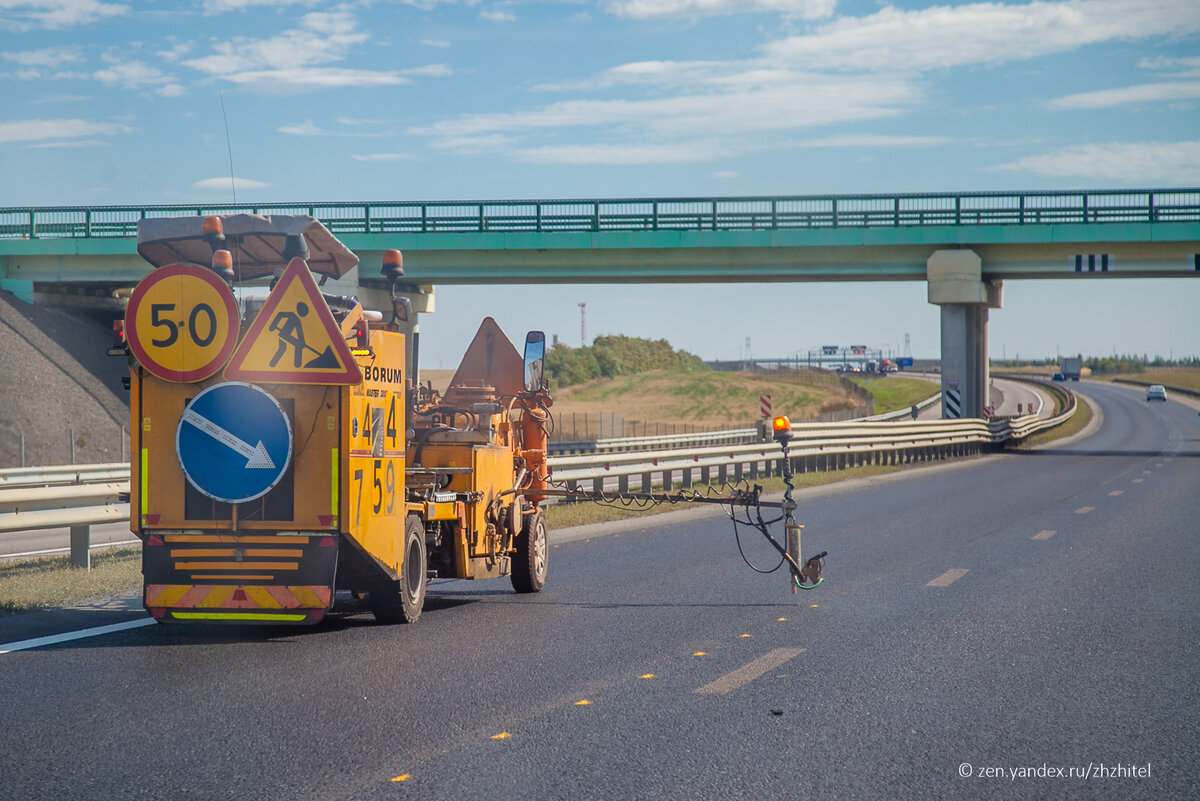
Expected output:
(182, 323)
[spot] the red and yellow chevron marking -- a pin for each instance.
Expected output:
(207, 596)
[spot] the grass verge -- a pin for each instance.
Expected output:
(1082, 416)
(893, 394)
(51, 581)
(565, 515)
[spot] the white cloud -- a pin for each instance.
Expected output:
(46, 57)
(979, 33)
(293, 60)
(724, 174)
(73, 143)
(1169, 163)
(176, 52)
(220, 6)
(24, 15)
(497, 15)
(1145, 93)
(429, 71)
(655, 9)
(433, 43)
(41, 130)
(137, 76)
(876, 140)
(383, 157)
(306, 128)
(221, 184)
(623, 155)
(1186, 67)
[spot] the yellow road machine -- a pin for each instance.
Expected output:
(282, 447)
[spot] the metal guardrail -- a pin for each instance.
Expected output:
(78, 496)
(653, 214)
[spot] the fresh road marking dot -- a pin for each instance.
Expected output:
(501, 736)
(402, 777)
(700, 653)
(948, 578)
(744, 636)
(781, 619)
(646, 676)
(1083, 510)
(749, 671)
(584, 702)
(1043, 535)
(1115, 493)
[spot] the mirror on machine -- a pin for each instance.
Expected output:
(535, 361)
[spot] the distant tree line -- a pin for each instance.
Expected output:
(610, 356)
(1127, 363)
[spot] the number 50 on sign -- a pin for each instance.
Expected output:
(182, 323)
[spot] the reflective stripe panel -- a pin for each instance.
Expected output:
(234, 596)
(143, 492)
(333, 488)
(252, 616)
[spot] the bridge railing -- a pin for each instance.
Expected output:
(651, 214)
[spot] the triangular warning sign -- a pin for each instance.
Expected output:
(294, 339)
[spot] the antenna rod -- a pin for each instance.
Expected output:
(228, 147)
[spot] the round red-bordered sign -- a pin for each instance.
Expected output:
(182, 323)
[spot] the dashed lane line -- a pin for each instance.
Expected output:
(749, 671)
(948, 578)
(1044, 535)
(1083, 510)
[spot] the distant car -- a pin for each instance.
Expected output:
(1059, 377)
(1156, 392)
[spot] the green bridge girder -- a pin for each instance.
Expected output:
(1143, 233)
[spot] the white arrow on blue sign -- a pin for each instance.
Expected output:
(213, 442)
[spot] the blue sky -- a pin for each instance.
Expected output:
(120, 102)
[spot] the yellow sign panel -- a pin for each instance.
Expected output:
(182, 323)
(294, 339)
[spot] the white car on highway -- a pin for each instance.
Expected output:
(1156, 392)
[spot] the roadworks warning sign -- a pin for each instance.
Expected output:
(294, 339)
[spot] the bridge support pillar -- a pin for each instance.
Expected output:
(956, 284)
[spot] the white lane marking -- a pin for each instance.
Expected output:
(1043, 535)
(1083, 510)
(1138, 480)
(948, 578)
(54, 639)
(1115, 493)
(256, 456)
(749, 671)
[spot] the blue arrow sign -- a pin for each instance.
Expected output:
(234, 442)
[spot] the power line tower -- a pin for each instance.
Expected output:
(907, 347)
(583, 325)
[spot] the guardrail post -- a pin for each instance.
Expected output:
(81, 547)
(598, 485)
(666, 481)
(687, 478)
(622, 483)
(705, 475)
(647, 482)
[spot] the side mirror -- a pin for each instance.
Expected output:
(535, 361)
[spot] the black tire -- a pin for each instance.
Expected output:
(402, 601)
(532, 558)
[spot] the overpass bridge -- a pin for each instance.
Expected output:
(965, 245)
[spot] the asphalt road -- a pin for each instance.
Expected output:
(984, 619)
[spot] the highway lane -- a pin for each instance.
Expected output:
(1052, 650)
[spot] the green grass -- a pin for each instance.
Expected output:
(51, 581)
(565, 515)
(892, 394)
(1082, 416)
(1181, 377)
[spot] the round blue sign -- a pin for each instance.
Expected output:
(234, 442)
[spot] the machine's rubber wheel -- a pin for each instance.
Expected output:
(401, 601)
(532, 556)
